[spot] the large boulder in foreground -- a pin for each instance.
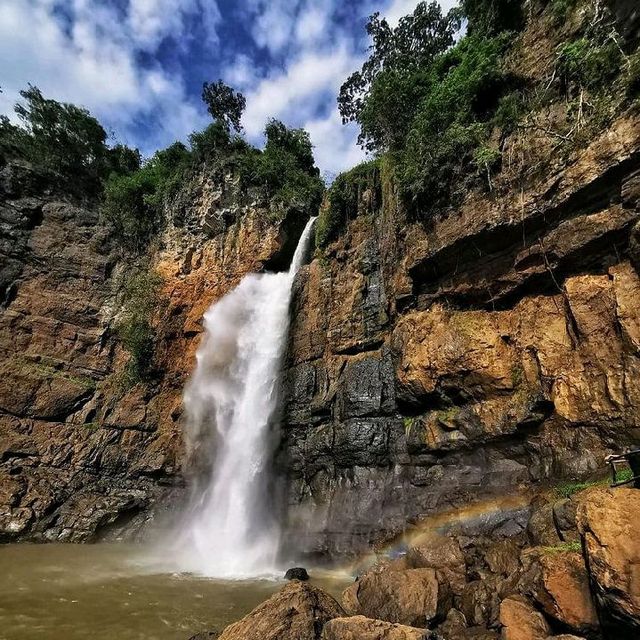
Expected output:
(610, 528)
(557, 581)
(520, 621)
(298, 611)
(361, 628)
(409, 597)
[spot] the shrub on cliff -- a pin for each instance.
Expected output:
(133, 203)
(345, 200)
(286, 169)
(139, 299)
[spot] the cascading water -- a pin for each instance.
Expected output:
(231, 530)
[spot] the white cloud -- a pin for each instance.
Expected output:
(335, 147)
(298, 92)
(94, 63)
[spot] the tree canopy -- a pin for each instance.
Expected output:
(224, 104)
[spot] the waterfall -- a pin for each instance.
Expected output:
(231, 529)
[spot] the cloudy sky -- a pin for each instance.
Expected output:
(139, 65)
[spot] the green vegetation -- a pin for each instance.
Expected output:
(140, 298)
(409, 424)
(571, 488)
(430, 105)
(587, 63)
(440, 111)
(560, 9)
(224, 104)
(344, 199)
(133, 202)
(563, 547)
(65, 139)
(285, 169)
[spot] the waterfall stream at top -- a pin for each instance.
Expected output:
(230, 529)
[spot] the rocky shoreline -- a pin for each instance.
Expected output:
(571, 574)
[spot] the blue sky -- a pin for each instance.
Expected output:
(139, 65)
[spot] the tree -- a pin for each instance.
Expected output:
(381, 96)
(63, 137)
(224, 104)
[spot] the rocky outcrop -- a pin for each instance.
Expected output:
(297, 612)
(608, 524)
(361, 628)
(495, 349)
(409, 597)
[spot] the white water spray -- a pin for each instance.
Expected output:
(231, 530)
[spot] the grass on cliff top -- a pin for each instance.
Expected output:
(569, 489)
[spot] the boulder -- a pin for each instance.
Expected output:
(361, 628)
(608, 523)
(559, 584)
(520, 621)
(564, 516)
(444, 555)
(410, 597)
(455, 628)
(298, 611)
(296, 573)
(541, 527)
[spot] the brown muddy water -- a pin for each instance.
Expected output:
(109, 591)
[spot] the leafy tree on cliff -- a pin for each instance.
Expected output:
(224, 104)
(429, 102)
(61, 136)
(286, 168)
(383, 95)
(66, 139)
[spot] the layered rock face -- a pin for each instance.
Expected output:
(486, 352)
(82, 457)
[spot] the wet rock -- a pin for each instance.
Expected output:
(296, 573)
(361, 628)
(541, 527)
(297, 612)
(410, 597)
(455, 628)
(206, 635)
(608, 524)
(444, 555)
(520, 621)
(564, 516)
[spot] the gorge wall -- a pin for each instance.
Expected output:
(490, 351)
(81, 454)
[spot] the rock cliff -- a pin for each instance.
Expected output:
(492, 351)
(83, 456)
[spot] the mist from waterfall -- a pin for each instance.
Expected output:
(231, 528)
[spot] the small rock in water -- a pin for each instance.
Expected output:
(296, 573)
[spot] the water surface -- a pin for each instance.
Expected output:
(117, 592)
